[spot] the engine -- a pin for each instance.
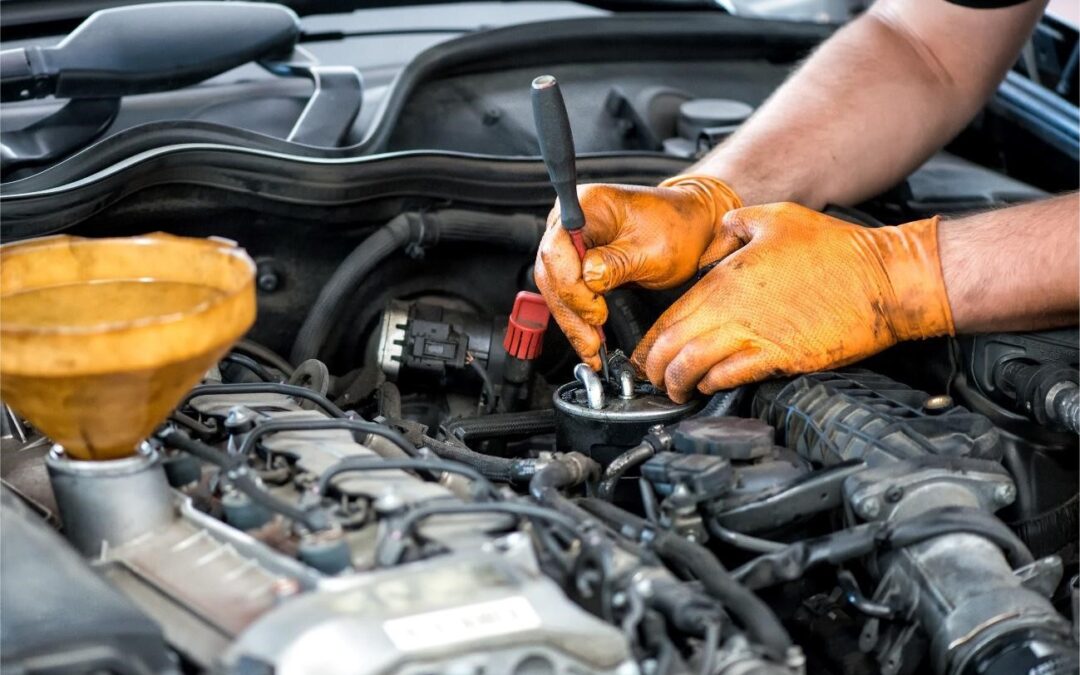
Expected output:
(451, 506)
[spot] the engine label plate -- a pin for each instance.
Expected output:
(462, 624)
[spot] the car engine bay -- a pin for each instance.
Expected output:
(402, 468)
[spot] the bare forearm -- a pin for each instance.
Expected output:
(872, 103)
(1015, 268)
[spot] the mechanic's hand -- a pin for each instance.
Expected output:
(806, 292)
(656, 237)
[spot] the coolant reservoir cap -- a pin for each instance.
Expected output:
(731, 437)
(698, 114)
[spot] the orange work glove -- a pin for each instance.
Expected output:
(656, 237)
(806, 292)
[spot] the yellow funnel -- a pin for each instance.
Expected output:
(99, 338)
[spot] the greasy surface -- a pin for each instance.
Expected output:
(804, 292)
(145, 317)
(655, 237)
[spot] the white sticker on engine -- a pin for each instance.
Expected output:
(462, 624)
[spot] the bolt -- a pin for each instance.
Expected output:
(268, 280)
(894, 494)
(868, 507)
(285, 587)
(794, 658)
(389, 502)
(939, 403)
(491, 116)
(1005, 493)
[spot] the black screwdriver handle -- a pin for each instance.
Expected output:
(557, 147)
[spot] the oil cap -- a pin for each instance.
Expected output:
(732, 437)
(525, 330)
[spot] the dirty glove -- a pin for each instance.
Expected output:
(806, 292)
(655, 237)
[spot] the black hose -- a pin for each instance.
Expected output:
(559, 474)
(339, 289)
(743, 541)
(516, 232)
(955, 520)
(500, 469)
(405, 527)
(619, 466)
(263, 388)
(502, 425)
(488, 393)
(792, 561)
(237, 473)
(264, 354)
(722, 403)
(193, 424)
(251, 365)
(363, 426)
(425, 463)
(755, 616)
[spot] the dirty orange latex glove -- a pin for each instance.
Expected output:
(655, 237)
(806, 292)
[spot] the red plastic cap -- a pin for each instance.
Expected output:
(525, 332)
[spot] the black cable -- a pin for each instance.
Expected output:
(794, 560)
(614, 472)
(488, 387)
(755, 616)
(363, 426)
(502, 469)
(192, 423)
(515, 232)
(263, 388)
(380, 464)
(722, 403)
(955, 520)
(743, 541)
(405, 528)
(501, 425)
(567, 471)
(264, 354)
(237, 473)
(709, 647)
(251, 365)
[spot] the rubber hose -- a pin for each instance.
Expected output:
(517, 232)
(501, 469)
(756, 617)
(619, 466)
(236, 471)
(360, 464)
(722, 403)
(557, 475)
(338, 289)
(502, 425)
(954, 520)
(264, 354)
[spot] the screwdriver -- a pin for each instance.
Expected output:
(557, 149)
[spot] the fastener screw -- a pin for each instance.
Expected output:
(1005, 493)
(869, 507)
